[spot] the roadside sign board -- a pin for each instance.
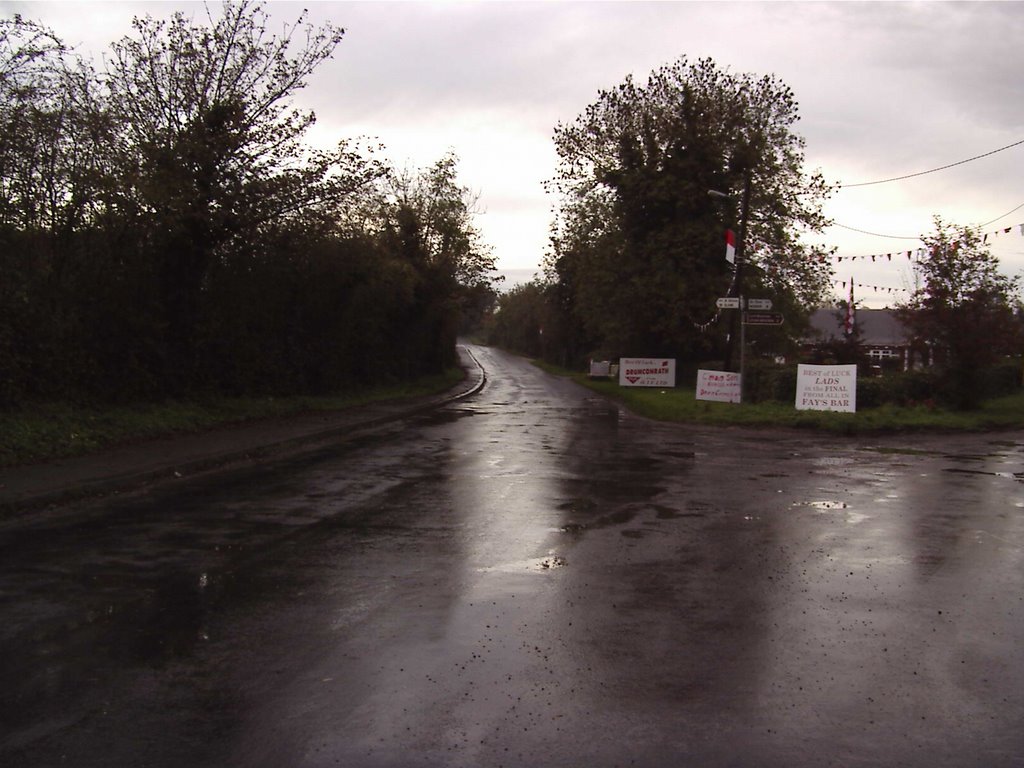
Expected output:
(647, 372)
(826, 388)
(720, 386)
(759, 304)
(728, 303)
(762, 318)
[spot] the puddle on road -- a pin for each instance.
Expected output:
(900, 451)
(620, 517)
(852, 518)
(679, 454)
(1018, 476)
(575, 529)
(968, 457)
(537, 565)
(578, 505)
(821, 506)
(832, 461)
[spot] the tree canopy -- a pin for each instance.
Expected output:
(964, 308)
(638, 242)
(165, 229)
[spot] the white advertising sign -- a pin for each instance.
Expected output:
(826, 388)
(719, 386)
(647, 372)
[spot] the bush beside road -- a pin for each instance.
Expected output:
(58, 430)
(53, 431)
(680, 405)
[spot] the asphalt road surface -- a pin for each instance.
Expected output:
(532, 577)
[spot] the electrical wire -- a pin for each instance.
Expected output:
(997, 218)
(908, 237)
(933, 170)
(892, 237)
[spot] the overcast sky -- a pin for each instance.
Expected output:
(885, 89)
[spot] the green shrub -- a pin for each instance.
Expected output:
(1002, 379)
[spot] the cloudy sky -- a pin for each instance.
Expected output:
(885, 90)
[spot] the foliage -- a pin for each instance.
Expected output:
(429, 222)
(166, 231)
(964, 309)
(519, 319)
(680, 405)
(529, 320)
(637, 245)
(55, 430)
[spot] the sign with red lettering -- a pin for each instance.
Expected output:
(826, 388)
(718, 386)
(647, 372)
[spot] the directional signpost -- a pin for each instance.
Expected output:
(762, 318)
(757, 317)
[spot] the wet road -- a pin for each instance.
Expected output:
(530, 577)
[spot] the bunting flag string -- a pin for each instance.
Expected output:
(910, 255)
(703, 327)
(875, 288)
(919, 253)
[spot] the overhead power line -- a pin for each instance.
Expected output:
(877, 234)
(997, 218)
(933, 170)
(917, 237)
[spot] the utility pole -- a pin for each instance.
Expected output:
(737, 286)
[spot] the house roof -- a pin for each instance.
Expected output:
(878, 327)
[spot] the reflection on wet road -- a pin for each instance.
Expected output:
(532, 577)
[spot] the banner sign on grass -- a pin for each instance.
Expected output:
(826, 388)
(647, 372)
(720, 386)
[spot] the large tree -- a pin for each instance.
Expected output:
(165, 230)
(638, 240)
(211, 148)
(963, 308)
(430, 224)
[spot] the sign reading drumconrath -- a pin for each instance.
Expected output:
(826, 388)
(647, 372)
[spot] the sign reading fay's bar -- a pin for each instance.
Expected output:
(647, 372)
(826, 388)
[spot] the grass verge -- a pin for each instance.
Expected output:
(681, 405)
(55, 430)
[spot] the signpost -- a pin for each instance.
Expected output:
(762, 318)
(734, 389)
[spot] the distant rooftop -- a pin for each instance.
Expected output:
(878, 327)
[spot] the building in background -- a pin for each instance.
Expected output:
(881, 337)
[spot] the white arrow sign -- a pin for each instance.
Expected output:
(728, 303)
(759, 304)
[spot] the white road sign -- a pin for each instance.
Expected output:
(728, 303)
(759, 303)
(647, 372)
